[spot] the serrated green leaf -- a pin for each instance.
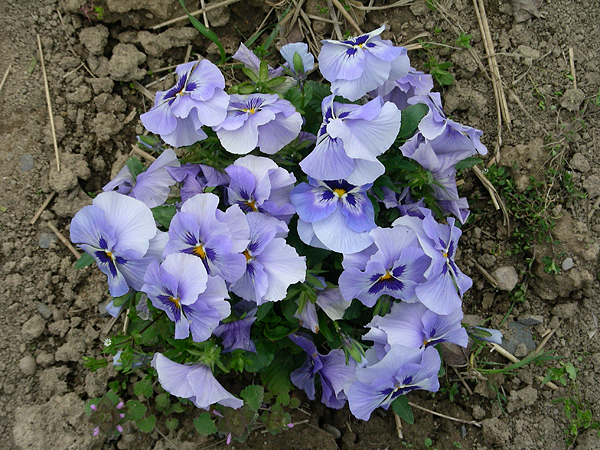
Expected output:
(162, 401)
(403, 409)
(135, 167)
(253, 396)
(85, 260)
(205, 31)
(262, 358)
(176, 408)
(283, 399)
(89, 403)
(204, 425)
(143, 387)
(113, 397)
(164, 214)
(146, 424)
(294, 402)
(172, 423)
(136, 410)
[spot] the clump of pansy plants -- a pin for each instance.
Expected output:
(302, 232)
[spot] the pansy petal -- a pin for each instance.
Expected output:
(337, 236)
(341, 61)
(276, 134)
(159, 119)
(283, 267)
(313, 203)
(328, 161)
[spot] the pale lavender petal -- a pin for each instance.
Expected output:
(337, 236)
(375, 73)
(159, 119)
(275, 135)
(328, 161)
(187, 132)
(173, 376)
(307, 235)
(341, 61)
(313, 203)
(190, 275)
(212, 112)
(283, 267)
(439, 294)
(308, 317)
(332, 303)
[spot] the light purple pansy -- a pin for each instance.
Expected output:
(445, 283)
(236, 334)
(445, 135)
(196, 177)
(415, 326)
(401, 370)
(194, 382)
(252, 62)
(198, 98)
(399, 91)
(350, 139)
(443, 171)
(271, 264)
(361, 64)
(258, 120)
(332, 369)
(334, 215)
(403, 201)
(308, 60)
(181, 287)
(117, 231)
(217, 238)
(396, 267)
(329, 300)
(151, 186)
(258, 184)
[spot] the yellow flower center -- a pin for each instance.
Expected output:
(339, 192)
(445, 254)
(199, 251)
(247, 255)
(176, 301)
(252, 204)
(387, 276)
(250, 110)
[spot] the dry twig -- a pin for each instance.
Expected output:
(469, 422)
(572, 64)
(64, 240)
(53, 129)
(485, 274)
(142, 153)
(515, 360)
(398, 426)
(195, 13)
(347, 16)
(140, 87)
(4, 77)
(496, 200)
(42, 208)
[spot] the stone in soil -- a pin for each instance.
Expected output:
(517, 333)
(33, 328)
(27, 365)
(565, 311)
(506, 277)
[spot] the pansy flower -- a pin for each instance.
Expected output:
(307, 59)
(252, 62)
(258, 184)
(117, 230)
(415, 326)
(198, 98)
(332, 369)
(196, 177)
(334, 215)
(271, 264)
(215, 237)
(399, 91)
(361, 64)
(194, 382)
(395, 267)
(258, 120)
(445, 283)
(236, 334)
(181, 287)
(350, 139)
(151, 186)
(401, 370)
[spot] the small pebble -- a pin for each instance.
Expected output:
(521, 350)
(44, 310)
(337, 434)
(27, 365)
(47, 239)
(567, 264)
(26, 163)
(531, 319)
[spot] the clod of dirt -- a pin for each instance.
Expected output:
(589, 440)
(94, 39)
(461, 96)
(67, 204)
(572, 99)
(592, 186)
(521, 399)
(82, 94)
(525, 9)
(580, 163)
(59, 423)
(218, 17)
(565, 311)
(464, 64)
(100, 85)
(72, 167)
(33, 328)
(106, 125)
(110, 103)
(529, 54)
(53, 381)
(506, 277)
(496, 431)
(478, 412)
(157, 45)
(45, 359)
(124, 63)
(27, 365)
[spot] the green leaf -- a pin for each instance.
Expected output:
(411, 116)
(571, 371)
(135, 167)
(262, 358)
(263, 71)
(204, 425)
(114, 398)
(172, 423)
(162, 401)
(403, 409)
(283, 399)
(250, 74)
(275, 81)
(136, 409)
(119, 301)
(276, 377)
(298, 63)
(263, 310)
(468, 162)
(146, 424)
(85, 260)
(205, 31)
(164, 214)
(253, 396)
(143, 387)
